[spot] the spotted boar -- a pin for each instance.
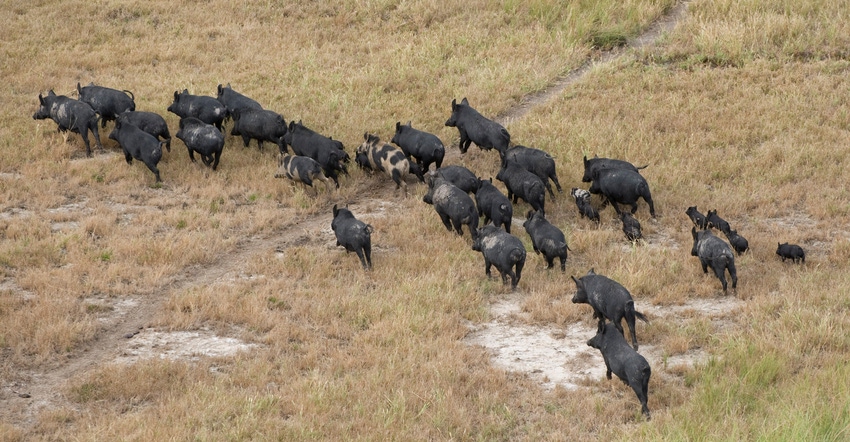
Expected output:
(503, 250)
(386, 158)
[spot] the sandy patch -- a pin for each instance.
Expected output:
(180, 345)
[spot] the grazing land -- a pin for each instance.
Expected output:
(216, 305)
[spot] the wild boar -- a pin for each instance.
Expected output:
(631, 226)
(522, 184)
(386, 158)
(699, 220)
(353, 234)
(453, 205)
(424, 147)
(203, 138)
(537, 162)
(207, 109)
(546, 239)
(609, 299)
(713, 251)
(738, 242)
(475, 128)
(460, 176)
(622, 186)
(150, 122)
(329, 153)
(261, 125)
(493, 205)
(595, 164)
(107, 102)
(716, 221)
(233, 100)
(503, 250)
(138, 144)
(69, 114)
(791, 251)
(300, 169)
(585, 208)
(625, 362)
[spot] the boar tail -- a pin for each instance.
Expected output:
(640, 316)
(642, 167)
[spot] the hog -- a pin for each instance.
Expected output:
(361, 159)
(502, 250)
(475, 128)
(207, 109)
(697, 218)
(138, 144)
(610, 300)
(107, 102)
(329, 153)
(385, 158)
(713, 251)
(301, 169)
(460, 176)
(69, 114)
(522, 184)
(585, 209)
(149, 122)
(353, 234)
(546, 238)
(454, 206)
(424, 147)
(791, 251)
(717, 222)
(621, 186)
(631, 226)
(203, 138)
(261, 125)
(493, 205)
(233, 100)
(738, 242)
(595, 164)
(624, 362)
(537, 162)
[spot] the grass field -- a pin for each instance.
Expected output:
(742, 107)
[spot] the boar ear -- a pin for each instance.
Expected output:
(409, 123)
(578, 282)
(79, 89)
(454, 104)
(40, 99)
(397, 125)
(366, 136)
(50, 93)
(464, 101)
(336, 210)
(176, 95)
(219, 88)
(529, 214)
(591, 272)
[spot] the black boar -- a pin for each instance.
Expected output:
(594, 164)
(537, 162)
(261, 125)
(233, 100)
(203, 138)
(546, 238)
(69, 114)
(631, 226)
(502, 250)
(624, 362)
(138, 144)
(585, 209)
(738, 242)
(791, 251)
(699, 220)
(424, 147)
(361, 159)
(301, 169)
(460, 176)
(329, 153)
(385, 158)
(353, 234)
(151, 123)
(454, 206)
(716, 221)
(610, 300)
(493, 205)
(522, 184)
(713, 251)
(475, 128)
(622, 186)
(107, 102)
(207, 109)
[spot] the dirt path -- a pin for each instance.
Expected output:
(42, 390)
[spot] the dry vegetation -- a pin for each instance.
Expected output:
(743, 108)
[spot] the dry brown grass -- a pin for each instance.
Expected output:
(740, 109)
